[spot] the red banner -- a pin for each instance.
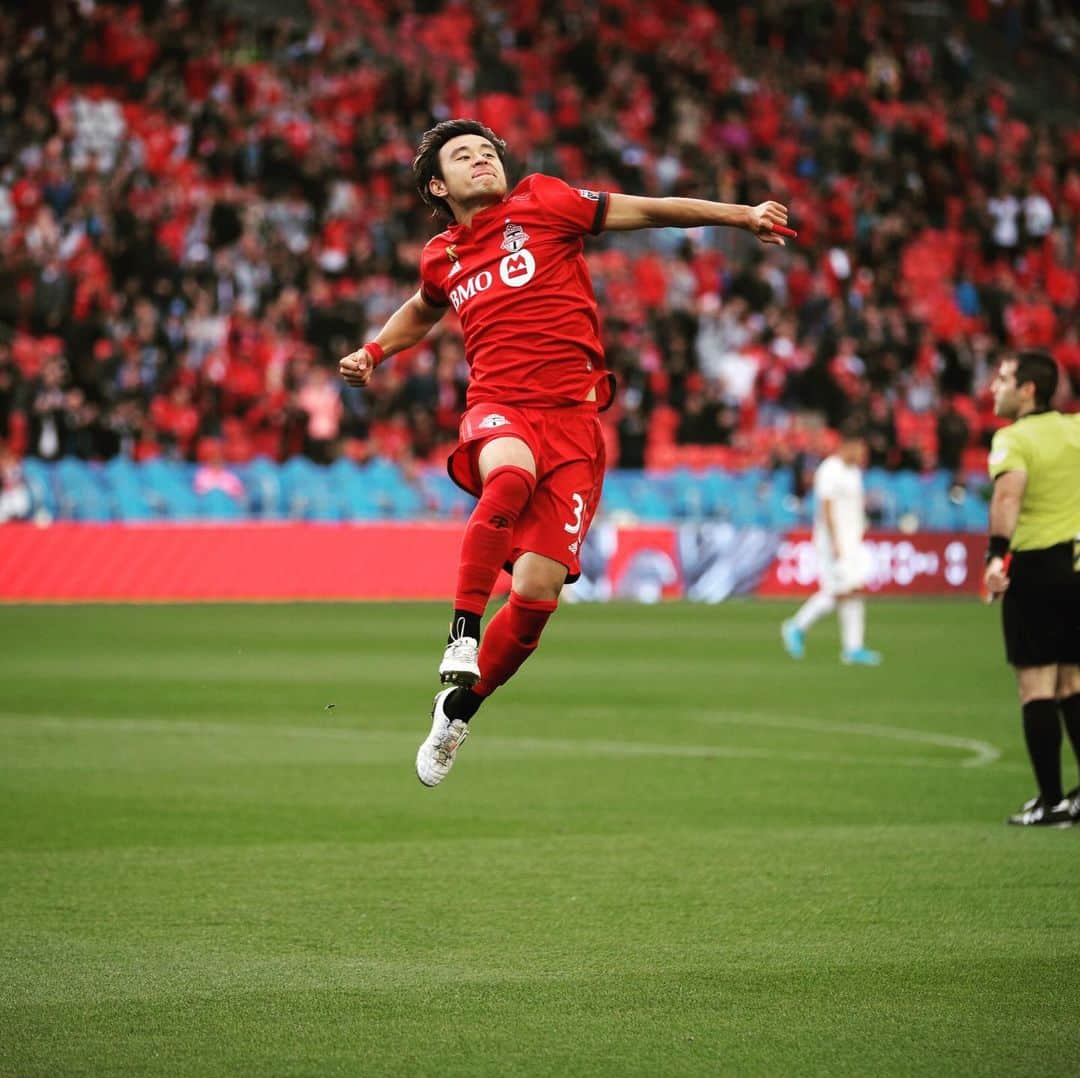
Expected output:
(232, 561)
(180, 562)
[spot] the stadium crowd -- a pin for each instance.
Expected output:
(200, 213)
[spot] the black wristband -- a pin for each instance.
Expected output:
(998, 547)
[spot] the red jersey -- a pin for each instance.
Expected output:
(518, 281)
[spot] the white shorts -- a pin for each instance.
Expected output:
(838, 576)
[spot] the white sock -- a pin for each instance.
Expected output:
(814, 609)
(852, 623)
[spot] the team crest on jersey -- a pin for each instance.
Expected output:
(493, 420)
(514, 237)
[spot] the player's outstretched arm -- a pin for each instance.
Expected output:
(408, 325)
(627, 212)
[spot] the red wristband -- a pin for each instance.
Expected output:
(376, 351)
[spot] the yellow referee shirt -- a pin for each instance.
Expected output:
(1045, 445)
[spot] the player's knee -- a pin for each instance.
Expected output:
(1036, 683)
(1068, 683)
(538, 579)
(537, 590)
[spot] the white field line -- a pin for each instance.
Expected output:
(980, 753)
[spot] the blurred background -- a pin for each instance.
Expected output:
(204, 205)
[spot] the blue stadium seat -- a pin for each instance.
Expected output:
(936, 514)
(718, 489)
(395, 495)
(263, 485)
(307, 491)
(167, 489)
(80, 493)
(444, 496)
(300, 489)
(651, 498)
(908, 490)
(405, 501)
(217, 505)
(125, 481)
(356, 497)
(782, 509)
(617, 499)
(38, 475)
(635, 495)
(974, 514)
(703, 495)
(783, 480)
(938, 481)
(131, 505)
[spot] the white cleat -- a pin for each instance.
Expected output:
(459, 664)
(436, 755)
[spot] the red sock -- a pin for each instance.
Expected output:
(489, 535)
(510, 638)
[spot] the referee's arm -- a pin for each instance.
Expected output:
(1004, 512)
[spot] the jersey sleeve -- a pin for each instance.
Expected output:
(1007, 453)
(574, 210)
(825, 480)
(431, 291)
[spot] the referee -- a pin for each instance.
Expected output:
(1033, 562)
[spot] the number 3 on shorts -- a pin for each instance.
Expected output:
(579, 509)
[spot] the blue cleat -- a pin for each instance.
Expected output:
(861, 657)
(794, 639)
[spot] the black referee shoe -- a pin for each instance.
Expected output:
(1034, 813)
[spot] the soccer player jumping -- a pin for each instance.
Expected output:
(512, 267)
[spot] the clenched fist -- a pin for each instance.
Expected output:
(356, 368)
(768, 222)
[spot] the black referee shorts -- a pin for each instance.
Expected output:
(1040, 611)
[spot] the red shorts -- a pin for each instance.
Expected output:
(567, 444)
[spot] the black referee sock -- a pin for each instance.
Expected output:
(462, 704)
(1042, 732)
(1070, 712)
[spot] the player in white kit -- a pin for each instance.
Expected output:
(839, 526)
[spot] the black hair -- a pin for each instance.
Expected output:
(426, 166)
(852, 430)
(1039, 368)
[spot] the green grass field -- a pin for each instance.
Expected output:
(666, 850)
